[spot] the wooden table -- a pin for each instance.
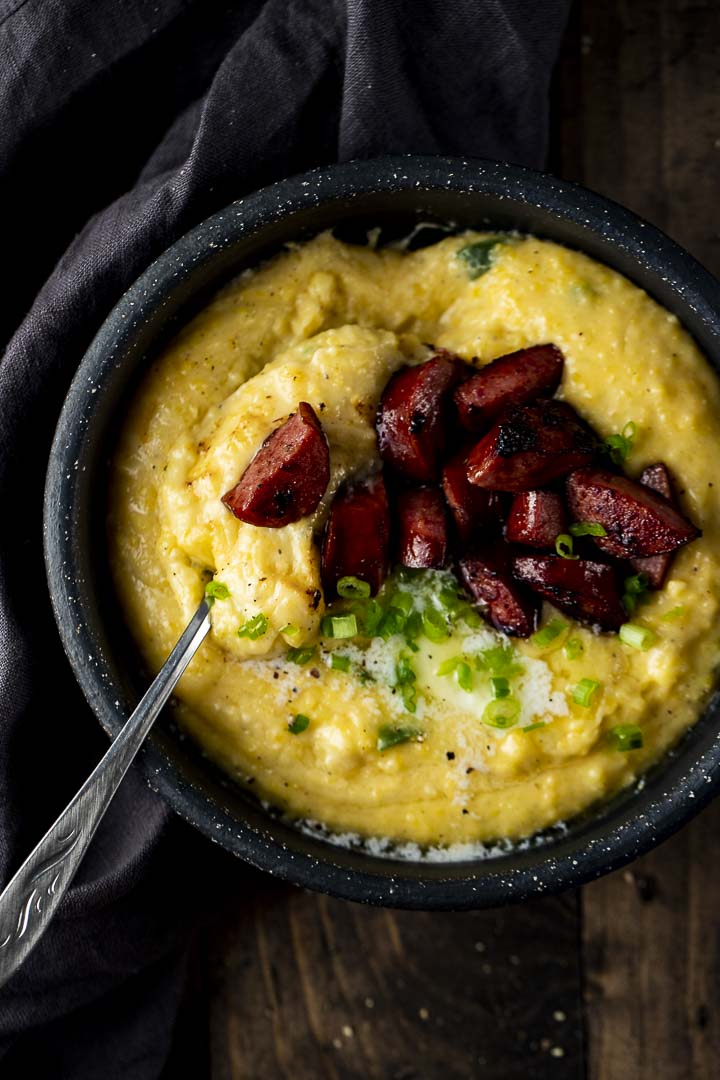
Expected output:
(619, 980)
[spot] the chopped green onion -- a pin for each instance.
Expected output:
(583, 693)
(392, 622)
(587, 528)
(574, 648)
(619, 446)
(435, 626)
(535, 726)
(299, 723)
(674, 613)
(471, 617)
(300, 656)
(635, 587)
(402, 601)
(502, 713)
(408, 696)
(547, 635)
(351, 588)
(478, 257)
(626, 737)
(501, 660)
(638, 637)
(338, 662)
(404, 672)
(215, 590)
(464, 677)
(388, 735)
(500, 687)
(564, 546)
(368, 613)
(290, 629)
(339, 626)
(413, 628)
(459, 667)
(253, 628)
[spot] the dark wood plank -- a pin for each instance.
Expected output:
(638, 102)
(308, 987)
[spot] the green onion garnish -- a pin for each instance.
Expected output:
(300, 656)
(547, 635)
(535, 726)
(435, 626)
(502, 713)
(352, 588)
(574, 648)
(290, 629)
(501, 660)
(413, 628)
(299, 723)
(339, 626)
(500, 687)
(338, 662)
(368, 614)
(638, 637)
(215, 590)
(459, 667)
(392, 622)
(564, 546)
(674, 613)
(478, 257)
(619, 446)
(405, 681)
(403, 601)
(635, 587)
(389, 735)
(583, 693)
(253, 628)
(587, 528)
(626, 737)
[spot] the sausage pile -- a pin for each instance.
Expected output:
(483, 469)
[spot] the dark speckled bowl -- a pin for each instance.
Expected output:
(394, 193)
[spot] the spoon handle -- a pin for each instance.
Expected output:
(29, 900)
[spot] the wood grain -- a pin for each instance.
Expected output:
(639, 120)
(308, 987)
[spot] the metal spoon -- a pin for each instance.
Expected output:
(28, 902)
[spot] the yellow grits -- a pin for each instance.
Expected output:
(328, 323)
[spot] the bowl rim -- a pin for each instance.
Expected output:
(606, 843)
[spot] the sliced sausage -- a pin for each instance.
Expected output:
(637, 520)
(585, 589)
(536, 519)
(656, 567)
(357, 535)
(412, 418)
(288, 476)
(422, 528)
(486, 573)
(472, 508)
(515, 379)
(530, 446)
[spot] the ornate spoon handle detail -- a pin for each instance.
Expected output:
(29, 900)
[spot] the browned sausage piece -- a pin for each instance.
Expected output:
(413, 416)
(288, 476)
(636, 519)
(357, 535)
(586, 590)
(472, 507)
(530, 446)
(655, 567)
(536, 519)
(515, 379)
(486, 573)
(422, 528)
